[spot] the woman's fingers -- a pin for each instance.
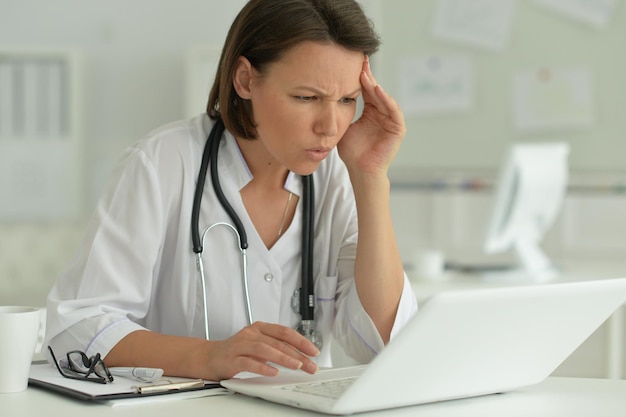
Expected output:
(286, 347)
(258, 346)
(375, 95)
(370, 87)
(289, 336)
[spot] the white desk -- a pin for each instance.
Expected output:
(572, 270)
(555, 397)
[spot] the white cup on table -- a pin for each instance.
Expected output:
(19, 328)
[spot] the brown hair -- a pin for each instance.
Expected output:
(265, 29)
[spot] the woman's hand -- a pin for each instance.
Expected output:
(249, 350)
(254, 346)
(371, 142)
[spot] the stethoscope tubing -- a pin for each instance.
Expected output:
(210, 155)
(307, 300)
(209, 161)
(244, 265)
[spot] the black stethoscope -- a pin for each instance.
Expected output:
(303, 300)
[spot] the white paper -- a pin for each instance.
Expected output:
(30, 110)
(56, 126)
(482, 23)
(6, 102)
(549, 99)
(183, 395)
(596, 13)
(436, 84)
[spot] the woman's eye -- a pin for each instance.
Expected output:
(306, 98)
(348, 100)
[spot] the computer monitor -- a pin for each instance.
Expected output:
(528, 197)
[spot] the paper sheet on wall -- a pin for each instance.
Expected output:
(553, 100)
(435, 84)
(482, 23)
(593, 12)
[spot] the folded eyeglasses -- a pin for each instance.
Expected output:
(77, 365)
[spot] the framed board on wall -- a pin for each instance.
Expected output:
(40, 169)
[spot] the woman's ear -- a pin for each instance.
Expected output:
(242, 78)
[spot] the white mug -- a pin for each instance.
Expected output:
(19, 327)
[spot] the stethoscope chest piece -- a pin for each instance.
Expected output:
(306, 327)
(308, 330)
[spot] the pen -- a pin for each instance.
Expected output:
(140, 374)
(175, 386)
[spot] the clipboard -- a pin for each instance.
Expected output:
(46, 376)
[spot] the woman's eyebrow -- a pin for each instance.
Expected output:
(320, 93)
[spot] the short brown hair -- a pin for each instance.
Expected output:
(265, 29)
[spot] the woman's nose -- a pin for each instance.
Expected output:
(326, 123)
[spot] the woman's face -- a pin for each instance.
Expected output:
(304, 103)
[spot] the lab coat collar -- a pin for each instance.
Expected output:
(231, 160)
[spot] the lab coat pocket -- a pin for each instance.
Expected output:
(325, 292)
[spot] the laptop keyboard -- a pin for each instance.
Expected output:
(328, 389)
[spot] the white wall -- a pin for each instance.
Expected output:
(134, 53)
(538, 38)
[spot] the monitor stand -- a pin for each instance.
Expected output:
(533, 267)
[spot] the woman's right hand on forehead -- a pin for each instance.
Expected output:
(371, 143)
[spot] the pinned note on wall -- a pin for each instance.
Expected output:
(482, 23)
(549, 99)
(596, 13)
(436, 84)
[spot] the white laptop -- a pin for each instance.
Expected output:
(459, 344)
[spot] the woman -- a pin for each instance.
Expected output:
(286, 91)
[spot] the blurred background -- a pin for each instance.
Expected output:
(81, 80)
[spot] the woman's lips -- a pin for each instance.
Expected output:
(318, 154)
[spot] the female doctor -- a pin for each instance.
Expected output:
(286, 91)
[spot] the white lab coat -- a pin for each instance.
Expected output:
(136, 268)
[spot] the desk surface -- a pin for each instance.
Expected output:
(571, 270)
(555, 397)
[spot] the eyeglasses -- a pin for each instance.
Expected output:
(81, 367)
